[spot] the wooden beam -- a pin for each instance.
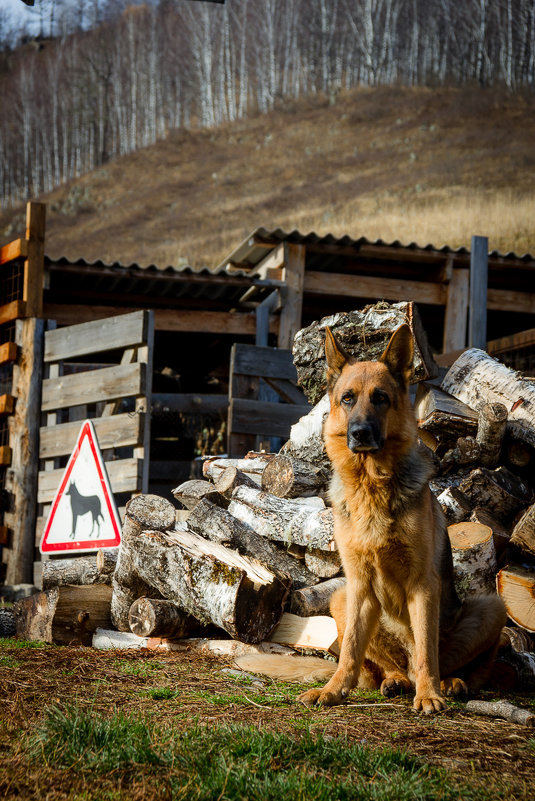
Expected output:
(5, 455)
(263, 417)
(365, 286)
(189, 402)
(121, 430)
(264, 362)
(123, 331)
(272, 264)
(12, 311)
(4, 535)
(34, 271)
(456, 316)
(8, 352)
(7, 404)
(477, 313)
(511, 300)
(18, 249)
(124, 476)
(121, 381)
(292, 294)
(524, 339)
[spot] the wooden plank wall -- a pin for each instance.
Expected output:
(83, 379)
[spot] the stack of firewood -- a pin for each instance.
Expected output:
(250, 555)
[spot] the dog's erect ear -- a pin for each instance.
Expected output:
(399, 354)
(335, 356)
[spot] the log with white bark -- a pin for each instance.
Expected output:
(324, 564)
(306, 437)
(502, 709)
(189, 493)
(474, 558)
(252, 465)
(516, 587)
(81, 570)
(142, 512)
(64, 615)
(500, 534)
(315, 600)
(154, 617)
(499, 491)
(440, 414)
(219, 525)
(287, 477)
(467, 451)
(215, 584)
(230, 478)
(491, 425)
(476, 378)
(107, 560)
(364, 334)
(523, 535)
(455, 505)
(519, 639)
(282, 520)
(317, 633)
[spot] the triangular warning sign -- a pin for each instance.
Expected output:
(84, 515)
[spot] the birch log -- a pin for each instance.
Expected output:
(324, 564)
(211, 582)
(455, 504)
(107, 560)
(502, 709)
(306, 437)
(492, 422)
(476, 378)
(501, 492)
(153, 617)
(281, 520)
(315, 600)
(474, 558)
(516, 587)
(252, 466)
(64, 615)
(83, 570)
(142, 512)
(287, 477)
(500, 534)
(230, 478)
(523, 535)
(189, 493)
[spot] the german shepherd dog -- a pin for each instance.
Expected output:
(400, 622)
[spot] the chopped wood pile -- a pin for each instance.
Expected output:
(249, 562)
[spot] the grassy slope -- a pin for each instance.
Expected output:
(414, 164)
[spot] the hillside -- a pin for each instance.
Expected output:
(424, 165)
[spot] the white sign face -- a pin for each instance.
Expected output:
(83, 516)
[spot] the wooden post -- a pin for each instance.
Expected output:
(24, 439)
(143, 405)
(34, 266)
(294, 273)
(455, 321)
(477, 328)
(263, 310)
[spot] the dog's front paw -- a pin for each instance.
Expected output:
(395, 685)
(453, 687)
(321, 697)
(428, 705)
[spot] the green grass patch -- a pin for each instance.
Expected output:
(7, 661)
(234, 762)
(162, 693)
(12, 642)
(138, 668)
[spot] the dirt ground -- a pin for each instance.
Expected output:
(494, 756)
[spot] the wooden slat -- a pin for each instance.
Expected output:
(524, 339)
(5, 455)
(122, 331)
(34, 266)
(12, 311)
(456, 316)
(264, 418)
(189, 402)
(264, 362)
(14, 250)
(124, 476)
(292, 294)
(511, 300)
(4, 535)
(122, 381)
(287, 390)
(121, 430)
(479, 281)
(7, 404)
(8, 352)
(365, 286)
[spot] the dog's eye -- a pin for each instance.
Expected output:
(379, 397)
(347, 398)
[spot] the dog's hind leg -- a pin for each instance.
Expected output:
(391, 659)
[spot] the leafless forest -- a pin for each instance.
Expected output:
(106, 78)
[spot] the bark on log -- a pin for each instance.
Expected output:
(516, 587)
(476, 378)
(306, 437)
(365, 335)
(518, 454)
(513, 671)
(230, 478)
(107, 560)
(324, 564)
(499, 491)
(83, 570)
(500, 535)
(467, 450)
(189, 493)
(64, 615)
(318, 633)
(315, 600)
(152, 617)
(455, 505)
(8, 626)
(518, 639)
(492, 422)
(142, 512)
(474, 558)
(253, 466)
(287, 477)
(211, 582)
(523, 535)
(502, 709)
(282, 520)
(440, 414)
(218, 525)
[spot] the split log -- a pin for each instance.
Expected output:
(107, 560)
(474, 558)
(365, 335)
(211, 582)
(499, 491)
(491, 425)
(110, 639)
(502, 709)
(516, 587)
(440, 414)
(230, 478)
(523, 535)
(476, 378)
(500, 534)
(467, 450)
(518, 639)
(315, 600)
(233, 648)
(64, 615)
(252, 466)
(287, 477)
(82, 570)
(142, 512)
(324, 564)
(189, 493)
(317, 633)
(283, 520)
(218, 525)
(306, 437)
(455, 504)
(152, 617)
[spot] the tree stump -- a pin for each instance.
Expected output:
(474, 558)
(64, 615)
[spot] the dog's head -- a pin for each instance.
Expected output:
(369, 399)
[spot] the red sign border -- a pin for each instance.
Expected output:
(88, 431)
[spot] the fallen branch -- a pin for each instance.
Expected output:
(502, 709)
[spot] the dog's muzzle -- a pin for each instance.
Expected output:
(364, 437)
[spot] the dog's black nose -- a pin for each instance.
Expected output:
(363, 437)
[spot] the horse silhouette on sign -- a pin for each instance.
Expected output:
(82, 505)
